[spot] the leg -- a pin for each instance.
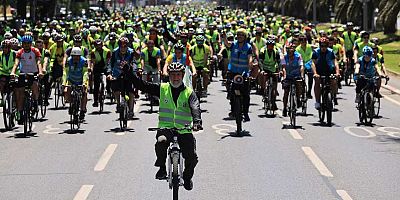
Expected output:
(317, 90)
(206, 79)
(67, 94)
(35, 90)
(97, 78)
(310, 84)
(19, 95)
(187, 143)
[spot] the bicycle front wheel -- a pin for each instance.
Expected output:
(369, 107)
(377, 106)
(175, 176)
(238, 114)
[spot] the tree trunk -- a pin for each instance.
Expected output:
(389, 19)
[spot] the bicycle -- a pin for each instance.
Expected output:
(377, 103)
(9, 106)
(304, 99)
(267, 95)
(326, 100)
(123, 108)
(236, 88)
(199, 84)
(58, 93)
(349, 72)
(292, 108)
(366, 107)
(175, 161)
(151, 98)
(102, 93)
(75, 106)
(42, 101)
(29, 111)
(213, 67)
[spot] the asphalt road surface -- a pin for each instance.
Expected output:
(270, 161)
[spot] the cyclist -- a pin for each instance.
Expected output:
(99, 59)
(150, 61)
(120, 70)
(77, 42)
(359, 46)
(179, 106)
(292, 68)
(349, 39)
(76, 73)
(200, 53)
(366, 65)
(7, 57)
(381, 65)
(183, 58)
(324, 64)
(306, 51)
(241, 62)
(269, 64)
(112, 41)
(27, 60)
(45, 63)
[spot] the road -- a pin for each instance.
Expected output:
(272, 161)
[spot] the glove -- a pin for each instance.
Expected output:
(197, 127)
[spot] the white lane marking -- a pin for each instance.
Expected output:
(295, 134)
(344, 195)
(395, 134)
(390, 99)
(198, 132)
(323, 170)
(83, 193)
(279, 113)
(101, 164)
(51, 130)
(348, 130)
(223, 131)
(391, 89)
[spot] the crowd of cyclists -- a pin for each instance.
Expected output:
(145, 41)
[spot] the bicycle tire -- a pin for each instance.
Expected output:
(238, 114)
(329, 109)
(369, 105)
(321, 111)
(72, 123)
(292, 106)
(12, 110)
(175, 176)
(377, 106)
(6, 111)
(56, 95)
(101, 98)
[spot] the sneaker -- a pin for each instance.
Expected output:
(82, 115)
(309, 96)
(188, 184)
(358, 98)
(274, 107)
(284, 112)
(161, 173)
(378, 95)
(95, 104)
(231, 115)
(136, 96)
(246, 117)
(130, 114)
(335, 101)
(317, 105)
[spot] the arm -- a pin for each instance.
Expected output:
(16, 63)
(195, 108)
(151, 88)
(314, 68)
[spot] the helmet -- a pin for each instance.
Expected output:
(46, 35)
(259, 30)
(270, 42)
(123, 40)
(229, 34)
(199, 31)
(85, 31)
(179, 46)
(76, 51)
(8, 35)
(349, 24)
(365, 33)
(112, 36)
(323, 40)
(6, 43)
(92, 29)
(375, 40)
(242, 30)
(27, 39)
(58, 38)
(176, 67)
(356, 28)
(98, 41)
(367, 51)
(77, 38)
(181, 24)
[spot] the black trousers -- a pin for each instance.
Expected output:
(245, 92)
(187, 144)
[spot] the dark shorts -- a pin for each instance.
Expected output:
(56, 71)
(26, 80)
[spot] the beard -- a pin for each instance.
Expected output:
(176, 84)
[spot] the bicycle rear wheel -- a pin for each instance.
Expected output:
(329, 108)
(238, 114)
(6, 110)
(369, 108)
(292, 106)
(101, 97)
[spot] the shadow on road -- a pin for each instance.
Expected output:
(72, 132)
(233, 134)
(22, 135)
(99, 113)
(119, 130)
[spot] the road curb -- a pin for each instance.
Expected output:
(391, 89)
(393, 73)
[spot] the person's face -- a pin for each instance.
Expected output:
(241, 37)
(123, 48)
(324, 47)
(6, 49)
(258, 34)
(150, 45)
(39, 45)
(77, 44)
(350, 28)
(46, 39)
(303, 41)
(178, 53)
(366, 38)
(26, 45)
(367, 58)
(184, 39)
(175, 78)
(270, 47)
(375, 51)
(99, 46)
(59, 43)
(75, 59)
(290, 50)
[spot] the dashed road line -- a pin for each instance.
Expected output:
(102, 163)
(296, 135)
(344, 195)
(84, 192)
(323, 170)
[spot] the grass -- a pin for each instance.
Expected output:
(391, 53)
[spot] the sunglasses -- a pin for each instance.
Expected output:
(324, 46)
(366, 38)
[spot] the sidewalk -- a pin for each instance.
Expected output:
(393, 84)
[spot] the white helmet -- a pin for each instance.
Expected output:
(76, 51)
